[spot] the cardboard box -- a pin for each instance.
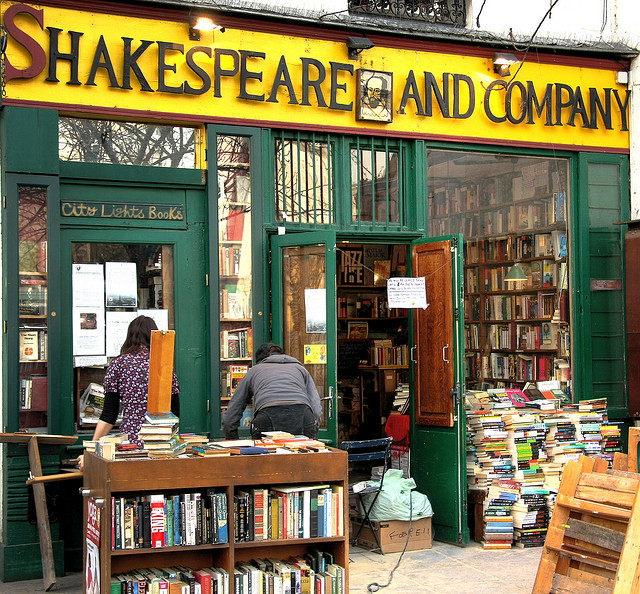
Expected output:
(393, 535)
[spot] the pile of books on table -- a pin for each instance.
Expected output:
(159, 432)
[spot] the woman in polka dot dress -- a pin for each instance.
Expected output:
(127, 380)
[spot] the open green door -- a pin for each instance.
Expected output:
(303, 286)
(438, 456)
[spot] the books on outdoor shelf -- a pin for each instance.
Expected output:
(289, 512)
(162, 520)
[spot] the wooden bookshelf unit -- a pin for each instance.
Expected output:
(104, 479)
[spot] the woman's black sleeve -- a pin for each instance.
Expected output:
(111, 408)
(175, 404)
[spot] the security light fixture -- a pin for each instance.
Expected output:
(355, 45)
(199, 22)
(502, 63)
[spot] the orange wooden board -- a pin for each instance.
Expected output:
(160, 370)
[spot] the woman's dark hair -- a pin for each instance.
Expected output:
(266, 349)
(138, 335)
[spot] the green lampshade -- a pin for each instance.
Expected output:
(515, 275)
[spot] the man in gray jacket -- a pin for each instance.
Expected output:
(284, 395)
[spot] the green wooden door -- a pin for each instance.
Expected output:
(598, 309)
(303, 285)
(187, 248)
(438, 456)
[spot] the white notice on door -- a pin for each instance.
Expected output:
(407, 292)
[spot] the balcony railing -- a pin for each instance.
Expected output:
(444, 12)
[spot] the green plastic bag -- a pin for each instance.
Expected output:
(398, 500)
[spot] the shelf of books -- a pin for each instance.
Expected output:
(33, 341)
(224, 523)
(512, 220)
(235, 266)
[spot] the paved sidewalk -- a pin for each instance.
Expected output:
(446, 568)
(442, 569)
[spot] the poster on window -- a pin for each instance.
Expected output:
(121, 284)
(117, 326)
(92, 566)
(315, 303)
(88, 309)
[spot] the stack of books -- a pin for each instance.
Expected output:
(401, 401)
(192, 439)
(498, 521)
(530, 515)
(159, 432)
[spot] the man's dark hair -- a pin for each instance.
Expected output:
(266, 349)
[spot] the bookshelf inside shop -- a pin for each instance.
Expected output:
(235, 268)
(33, 340)
(372, 339)
(513, 221)
(132, 482)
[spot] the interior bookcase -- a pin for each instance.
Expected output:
(104, 479)
(511, 211)
(372, 338)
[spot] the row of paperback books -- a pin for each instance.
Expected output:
(157, 520)
(289, 512)
(313, 573)
(172, 580)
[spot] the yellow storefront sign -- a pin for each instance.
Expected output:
(93, 62)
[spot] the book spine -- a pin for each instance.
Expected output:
(157, 521)
(223, 533)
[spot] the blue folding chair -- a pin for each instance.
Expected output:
(369, 453)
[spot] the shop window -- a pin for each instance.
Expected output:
(235, 269)
(127, 143)
(112, 284)
(32, 307)
(513, 213)
(375, 183)
(304, 180)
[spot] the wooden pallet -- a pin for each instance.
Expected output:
(629, 461)
(593, 541)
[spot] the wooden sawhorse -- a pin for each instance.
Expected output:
(38, 480)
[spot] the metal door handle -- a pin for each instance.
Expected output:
(444, 358)
(329, 398)
(413, 350)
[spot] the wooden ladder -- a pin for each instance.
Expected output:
(593, 541)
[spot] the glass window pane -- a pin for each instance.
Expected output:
(113, 283)
(32, 307)
(303, 275)
(512, 211)
(375, 191)
(127, 143)
(304, 186)
(235, 282)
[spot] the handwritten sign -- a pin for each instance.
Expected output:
(407, 292)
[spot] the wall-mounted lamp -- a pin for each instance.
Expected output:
(515, 274)
(355, 45)
(199, 23)
(502, 63)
